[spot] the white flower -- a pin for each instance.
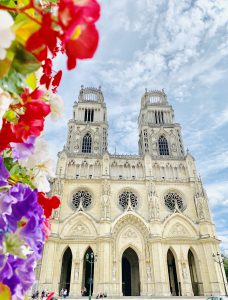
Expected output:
(42, 167)
(5, 100)
(57, 105)
(6, 33)
(41, 180)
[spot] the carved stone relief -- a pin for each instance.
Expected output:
(80, 229)
(178, 230)
(130, 233)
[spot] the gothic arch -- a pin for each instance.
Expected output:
(63, 251)
(130, 267)
(66, 266)
(172, 270)
(86, 272)
(129, 218)
(86, 142)
(133, 247)
(80, 223)
(180, 226)
(195, 272)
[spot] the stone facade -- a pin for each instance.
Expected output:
(146, 216)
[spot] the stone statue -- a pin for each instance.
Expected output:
(153, 203)
(184, 271)
(200, 208)
(114, 272)
(148, 271)
(105, 200)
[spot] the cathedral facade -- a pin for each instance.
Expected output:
(144, 218)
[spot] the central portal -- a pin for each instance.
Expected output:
(130, 273)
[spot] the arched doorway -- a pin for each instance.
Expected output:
(87, 273)
(66, 270)
(173, 281)
(193, 273)
(130, 273)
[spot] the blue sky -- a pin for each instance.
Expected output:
(181, 46)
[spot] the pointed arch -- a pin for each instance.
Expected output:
(130, 273)
(87, 143)
(178, 225)
(78, 224)
(88, 272)
(128, 218)
(172, 273)
(65, 275)
(194, 269)
(163, 145)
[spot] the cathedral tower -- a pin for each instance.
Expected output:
(159, 135)
(87, 131)
(146, 216)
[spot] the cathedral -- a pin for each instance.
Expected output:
(129, 225)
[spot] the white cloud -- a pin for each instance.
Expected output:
(217, 193)
(177, 45)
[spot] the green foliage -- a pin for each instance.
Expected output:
(17, 172)
(13, 82)
(24, 62)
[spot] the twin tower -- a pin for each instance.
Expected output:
(144, 216)
(159, 135)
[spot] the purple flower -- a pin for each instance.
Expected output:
(20, 203)
(23, 150)
(4, 174)
(18, 274)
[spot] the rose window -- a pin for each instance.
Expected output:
(81, 199)
(173, 200)
(128, 200)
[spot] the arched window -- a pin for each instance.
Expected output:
(163, 146)
(87, 143)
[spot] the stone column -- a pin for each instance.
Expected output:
(159, 270)
(75, 286)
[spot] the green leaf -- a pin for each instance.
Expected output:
(24, 62)
(13, 82)
(8, 3)
(8, 162)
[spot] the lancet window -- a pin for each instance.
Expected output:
(163, 146)
(87, 143)
(89, 115)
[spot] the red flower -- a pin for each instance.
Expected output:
(7, 136)
(25, 128)
(36, 110)
(35, 95)
(82, 47)
(57, 78)
(47, 70)
(48, 204)
(45, 37)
